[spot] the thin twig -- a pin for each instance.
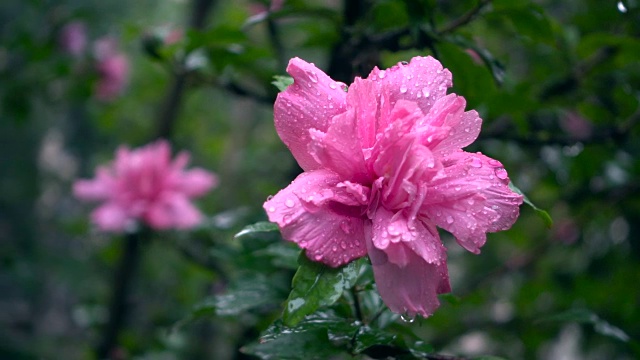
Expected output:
(464, 19)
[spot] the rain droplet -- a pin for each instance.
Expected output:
(382, 74)
(621, 7)
(269, 197)
(449, 219)
(476, 163)
(334, 248)
(404, 63)
(403, 89)
(318, 257)
(289, 203)
(425, 92)
(501, 173)
(272, 209)
(343, 245)
(407, 318)
(313, 77)
(286, 219)
(333, 85)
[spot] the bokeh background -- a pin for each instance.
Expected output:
(556, 83)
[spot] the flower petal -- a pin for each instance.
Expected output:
(423, 81)
(462, 128)
(315, 212)
(173, 210)
(471, 198)
(410, 288)
(195, 182)
(422, 238)
(337, 151)
(309, 103)
(99, 188)
(111, 217)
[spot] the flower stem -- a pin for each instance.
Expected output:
(121, 287)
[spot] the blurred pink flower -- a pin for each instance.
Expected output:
(145, 185)
(73, 38)
(383, 167)
(113, 69)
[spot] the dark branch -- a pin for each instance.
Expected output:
(464, 19)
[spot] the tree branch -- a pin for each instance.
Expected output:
(464, 19)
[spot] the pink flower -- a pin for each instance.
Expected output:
(383, 167)
(145, 185)
(73, 38)
(113, 69)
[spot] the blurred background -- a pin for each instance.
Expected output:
(556, 83)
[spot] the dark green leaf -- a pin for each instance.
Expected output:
(293, 346)
(259, 227)
(282, 82)
(315, 285)
(541, 213)
(367, 337)
(588, 317)
(530, 21)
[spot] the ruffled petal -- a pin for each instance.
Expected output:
(111, 217)
(195, 182)
(471, 198)
(423, 81)
(309, 103)
(172, 210)
(336, 149)
(321, 215)
(99, 188)
(410, 288)
(448, 127)
(421, 237)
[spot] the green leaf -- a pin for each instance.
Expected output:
(541, 213)
(315, 285)
(282, 82)
(588, 317)
(259, 227)
(293, 346)
(367, 337)
(488, 357)
(530, 21)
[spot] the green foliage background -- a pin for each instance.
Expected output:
(556, 83)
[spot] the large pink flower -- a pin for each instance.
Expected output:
(145, 185)
(383, 167)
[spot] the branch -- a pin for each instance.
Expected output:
(464, 19)
(121, 286)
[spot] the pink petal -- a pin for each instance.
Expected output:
(471, 199)
(410, 288)
(462, 127)
(196, 182)
(423, 81)
(389, 228)
(336, 150)
(172, 211)
(317, 212)
(309, 103)
(111, 217)
(100, 188)
(363, 99)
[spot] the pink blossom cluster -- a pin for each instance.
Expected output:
(145, 185)
(112, 67)
(383, 168)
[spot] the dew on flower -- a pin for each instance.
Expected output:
(501, 173)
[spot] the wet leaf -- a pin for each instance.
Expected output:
(282, 82)
(585, 316)
(315, 285)
(259, 227)
(541, 213)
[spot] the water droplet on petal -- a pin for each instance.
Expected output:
(286, 219)
(494, 162)
(334, 248)
(449, 219)
(343, 245)
(269, 197)
(403, 89)
(407, 318)
(318, 257)
(313, 77)
(425, 92)
(382, 74)
(333, 85)
(272, 209)
(501, 173)
(289, 203)
(476, 163)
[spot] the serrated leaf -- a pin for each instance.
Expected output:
(315, 285)
(262, 226)
(548, 221)
(282, 82)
